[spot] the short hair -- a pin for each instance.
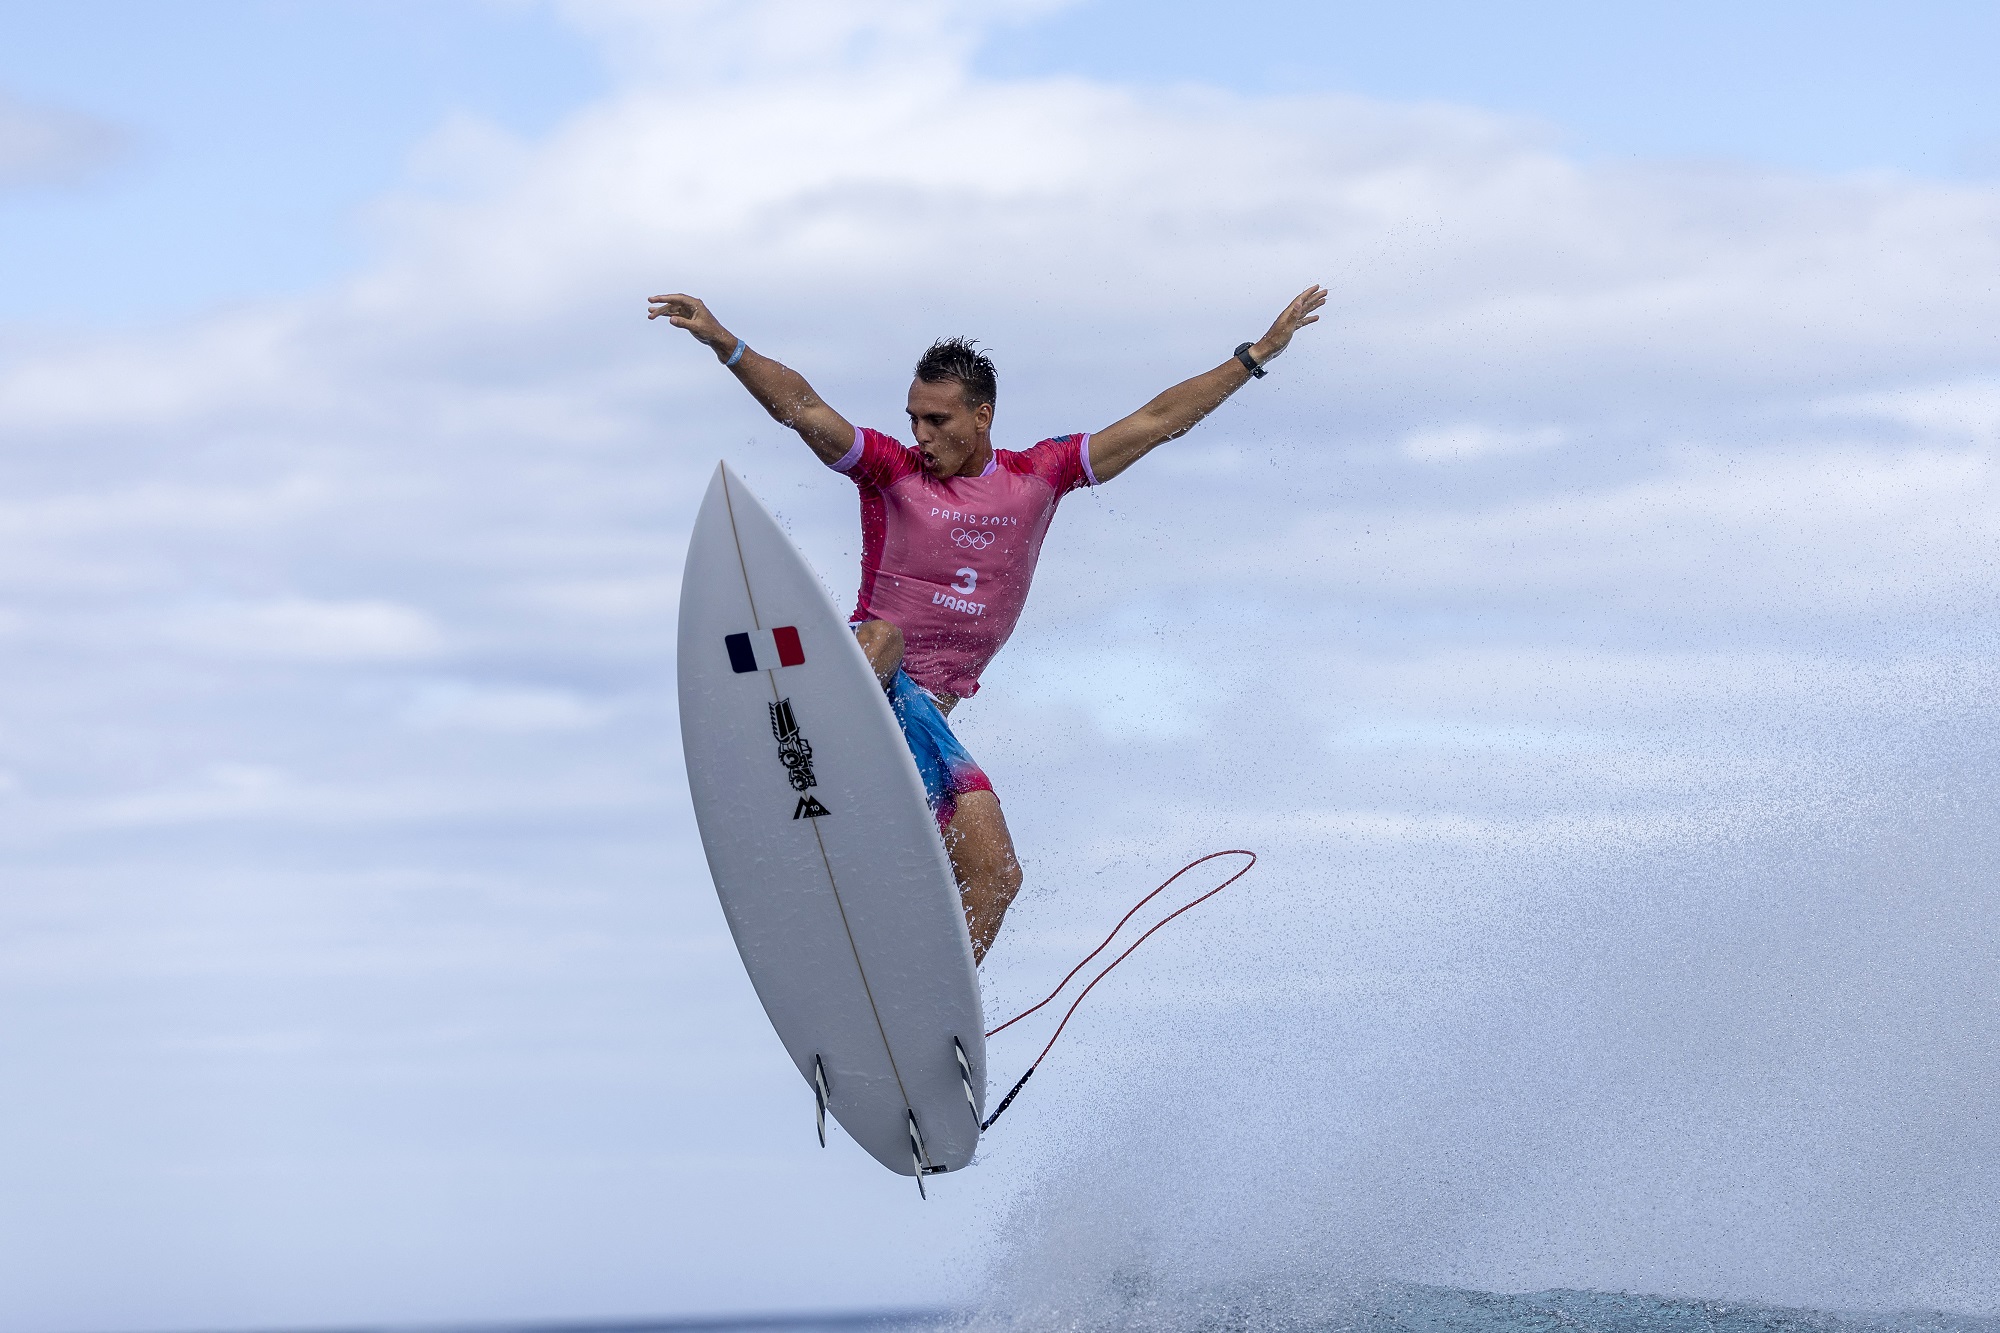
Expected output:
(960, 360)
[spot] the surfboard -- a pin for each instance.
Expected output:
(827, 861)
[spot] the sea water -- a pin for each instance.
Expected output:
(1420, 1309)
(1400, 1309)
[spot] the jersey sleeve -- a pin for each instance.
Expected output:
(1063, 462)
(876, 461)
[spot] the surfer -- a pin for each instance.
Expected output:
(950, 533)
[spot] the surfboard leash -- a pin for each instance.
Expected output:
(1015, 1091)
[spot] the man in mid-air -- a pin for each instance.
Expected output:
(950, 532)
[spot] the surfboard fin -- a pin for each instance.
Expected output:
(820, 1098)
(965, 1080)
(918, 1157)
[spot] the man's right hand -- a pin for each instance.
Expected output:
(782, 391)
(687, 312)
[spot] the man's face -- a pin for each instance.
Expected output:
(948, 430)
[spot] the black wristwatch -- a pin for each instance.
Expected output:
(1249, 362)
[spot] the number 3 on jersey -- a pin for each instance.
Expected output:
(971, 577)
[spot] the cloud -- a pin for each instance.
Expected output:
(456, 704)
(164, 507)
(42, 146)
(1445, 444)
(1958, 412)
(306, 630)
(227, 791)
(1829, 531)
(228, 366)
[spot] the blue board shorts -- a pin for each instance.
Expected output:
(947, 770)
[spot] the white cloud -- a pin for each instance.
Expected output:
(447, 705)
(636, 598)
(249, 793)
(224, 368)
(1468, 260)
(1833, 530)
(155, 509)
(225, 791)
(1961, 412)
(303, 629)
(1447, 444)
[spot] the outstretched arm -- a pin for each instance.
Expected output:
(782, 390)
(1175, 412)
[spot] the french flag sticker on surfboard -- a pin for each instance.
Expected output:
(765, 649)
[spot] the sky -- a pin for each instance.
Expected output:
(1589, 622)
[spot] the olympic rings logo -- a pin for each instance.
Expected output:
(972, 539)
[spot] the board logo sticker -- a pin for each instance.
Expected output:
(795, 752)
(765, 649)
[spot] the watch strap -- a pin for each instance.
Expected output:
(1257, 372)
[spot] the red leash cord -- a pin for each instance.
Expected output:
(1008, 1100)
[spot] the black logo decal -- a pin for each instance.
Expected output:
(809, 808)
(795, 752)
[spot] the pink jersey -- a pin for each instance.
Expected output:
(949, 562)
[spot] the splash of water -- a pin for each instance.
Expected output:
(1753, 1061)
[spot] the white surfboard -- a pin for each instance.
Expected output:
(825, 857)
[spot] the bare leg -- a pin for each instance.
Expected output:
(982, 860)
(883, 643)
(981, 849)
